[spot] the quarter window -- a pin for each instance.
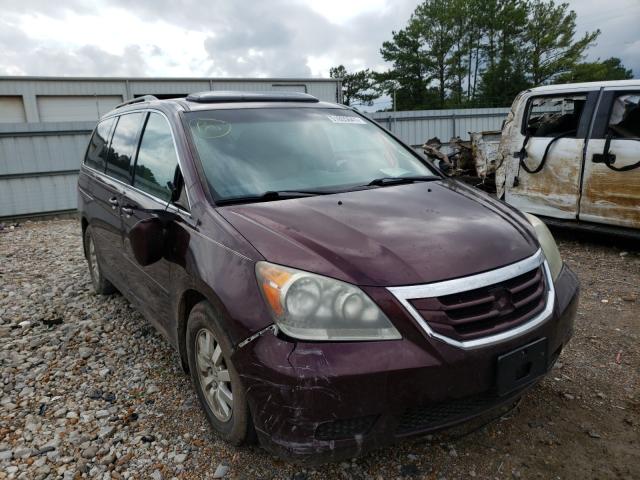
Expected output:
(98, 146)
(123, 146)
(157, 158)
(554, 116)
(625, 116)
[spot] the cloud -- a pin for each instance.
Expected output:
(21, 55)
(284, 38)
(45, 7)
(280, 38)
(618, 23)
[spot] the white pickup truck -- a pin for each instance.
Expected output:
(572, 152)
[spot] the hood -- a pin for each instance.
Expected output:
(389, 236)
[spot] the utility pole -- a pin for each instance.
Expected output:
(395, 118)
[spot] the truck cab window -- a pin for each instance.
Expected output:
(553, 116)
(625, 116)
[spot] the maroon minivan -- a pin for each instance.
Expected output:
(327, 288)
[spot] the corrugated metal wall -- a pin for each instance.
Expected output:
(418, 126)
(39, 164)
(45, 125)
(41, 148)
(11, 110)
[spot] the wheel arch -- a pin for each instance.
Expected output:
(189, 298)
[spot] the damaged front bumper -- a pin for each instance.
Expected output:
(314, 402)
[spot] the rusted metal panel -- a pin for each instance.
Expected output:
(484, 148)
(608, 196)
(554, 191)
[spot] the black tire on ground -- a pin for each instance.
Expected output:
(100, 284)
(238, 429)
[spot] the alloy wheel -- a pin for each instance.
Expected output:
(93, 262)
(213, 375)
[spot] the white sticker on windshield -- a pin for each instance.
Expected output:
(345, 119)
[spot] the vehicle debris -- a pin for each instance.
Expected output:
(473, 162)
(565, 152)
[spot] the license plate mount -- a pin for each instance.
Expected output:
(521, 366)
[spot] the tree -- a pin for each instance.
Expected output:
(435, 21)
(609, 69)
(357, 87)
(410, 74)
(503, 75)
(480, 52)
(548, 36)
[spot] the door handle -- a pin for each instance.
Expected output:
(128, 211)
(605, 157)
(114, 202)
(608, 158)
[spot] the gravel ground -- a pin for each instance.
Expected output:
(90, 390)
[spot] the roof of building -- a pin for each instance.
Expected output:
(168, 79)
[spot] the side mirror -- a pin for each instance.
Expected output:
(147, 239)
(158, 237)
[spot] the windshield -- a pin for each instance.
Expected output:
(248, 152)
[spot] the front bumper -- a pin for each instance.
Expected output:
(318, 402)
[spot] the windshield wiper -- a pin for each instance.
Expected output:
(272, 195)
(383, 181)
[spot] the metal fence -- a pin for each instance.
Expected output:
(39, 161)
(45, 124)
(39, 166)
(416, 127)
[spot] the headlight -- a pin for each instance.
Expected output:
(312, 307)
(548, 245)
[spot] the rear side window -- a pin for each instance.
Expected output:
(98, 146)
(625, 116)
(157, 158)
(123, 146)
(554, 116)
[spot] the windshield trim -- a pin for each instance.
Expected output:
(217, 200)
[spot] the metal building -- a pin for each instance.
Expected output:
(45, 124)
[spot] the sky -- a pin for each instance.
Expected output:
(238, 38)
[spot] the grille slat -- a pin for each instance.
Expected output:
(534, 281)
(466, 304)
(485, 310)
(530, 298)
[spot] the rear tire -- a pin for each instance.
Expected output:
(214, 376)
(100, 284)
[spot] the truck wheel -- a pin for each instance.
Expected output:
(214, 376)
(100, 284)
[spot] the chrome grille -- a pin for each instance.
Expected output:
(485, 308)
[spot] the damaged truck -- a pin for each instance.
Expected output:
(569, 153)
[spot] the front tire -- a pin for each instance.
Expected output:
(100, 284)
(214, 376)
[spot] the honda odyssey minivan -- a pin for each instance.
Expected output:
(328, 289)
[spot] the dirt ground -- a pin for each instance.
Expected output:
(582, 421)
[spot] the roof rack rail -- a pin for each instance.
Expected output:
(144, 98)
(221, 96)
